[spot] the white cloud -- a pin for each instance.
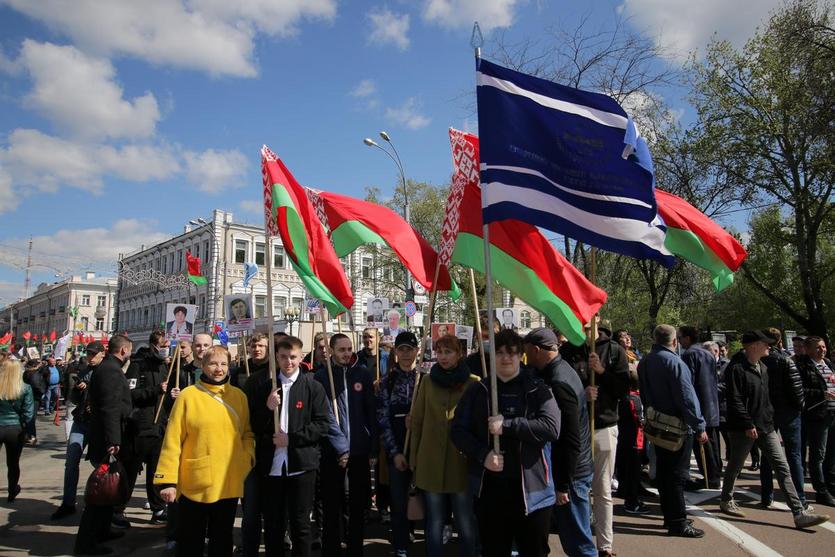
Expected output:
(490, 14)
(45, 162)
(408, 115)
(682, 26)
(79, 94)
(364, 88)
(10, 292)
(254, 207)
(215, 171)
(389, 27)
(214, 36)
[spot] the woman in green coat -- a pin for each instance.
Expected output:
(440, 469)
(17, 407)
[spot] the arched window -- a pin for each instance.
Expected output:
(526, 319)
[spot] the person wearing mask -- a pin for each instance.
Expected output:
(35, 379)
(17, 406)
(148, 380)
(785, 391)
(705, 381)
(666, 387)
(571, 460)
(351, 447)
(286, 459)
(440, 469)
(394, 401)
(514, 488)
(109, 401)
(610, 365)
(207, 453)
(818, 375)
(751, 420)
(77, 439)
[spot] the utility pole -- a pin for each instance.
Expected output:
(27, 279)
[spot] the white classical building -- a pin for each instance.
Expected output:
(50, 308)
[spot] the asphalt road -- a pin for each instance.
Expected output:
(26, 529)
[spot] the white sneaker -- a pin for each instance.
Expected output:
(147, 506)
(447, 534)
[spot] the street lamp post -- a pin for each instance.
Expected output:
(291, 314)
(406, 213)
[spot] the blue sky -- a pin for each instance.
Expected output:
(121, 121)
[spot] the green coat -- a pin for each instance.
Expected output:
(439, 466)
(18, 411)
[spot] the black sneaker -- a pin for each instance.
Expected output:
(825, 498)
(694, 485)
(159, 517)
(13, 491)
(636, 508)
(120, 521)
(686, 531)
(63, 511)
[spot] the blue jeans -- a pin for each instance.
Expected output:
(437, 506)
(789, 428)
(399, 482)
(53, 393)
(574, 521)
(75, 448)
(822, 453)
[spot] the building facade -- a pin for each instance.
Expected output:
(50, 308)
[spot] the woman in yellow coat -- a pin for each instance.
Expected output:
(207, 453)
(440, 468)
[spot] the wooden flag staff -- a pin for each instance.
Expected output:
(478, 323)
(175, 361)
(246, 356)
(330, 368)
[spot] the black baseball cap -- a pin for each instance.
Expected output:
(543, 337)
(95, 347)
(755, 335)
(406, 338)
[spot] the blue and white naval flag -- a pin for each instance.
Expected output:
(566, 160)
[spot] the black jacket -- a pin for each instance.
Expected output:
(307, 424)
(368, 361)
(145, 375)
(814, 388)
(110, 405)
(35, 378)
(238, 376)
(785, 387)
(746, 392)
(571, 454)
(613, 383)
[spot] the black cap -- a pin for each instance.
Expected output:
(544, 338)
(95, 347)
(755, 335)
(406, 338)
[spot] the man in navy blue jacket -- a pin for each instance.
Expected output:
(702, 364)
(666, 387)
(351, 446)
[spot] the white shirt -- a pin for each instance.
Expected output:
(279, 467)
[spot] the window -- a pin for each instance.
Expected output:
(85, 323)
(100, 324)
(165, 266)
(201, 310)
(240, 250)
(366, 267)
(196, 250)
(260, 251)
(279, 303)
(146, 317)
(525, 318)
(260, 306)
(180, 258)
(207, 252)
(278, 257)
(299, 303)
(101, 301)
(171, 261)
(85, 300)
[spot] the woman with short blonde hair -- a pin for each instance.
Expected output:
(17, 407)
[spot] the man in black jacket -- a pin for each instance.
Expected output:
(751, 420)
(148, 380)
(110, 405)
(285, 460)
(350, 449)
(571, 460)
(785, 390)
(818, 376)
(367, 357)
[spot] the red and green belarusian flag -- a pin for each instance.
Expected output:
(288, 213)
(353, 222)
(693, 236)
(194, 274)
(522, 259)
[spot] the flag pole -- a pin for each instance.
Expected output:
(592, 340)
(427, 318)
(330, 368)
(478, 323)
(167, 377)
(246, 357)
(270, 337)
(476, 42)
(377, 337)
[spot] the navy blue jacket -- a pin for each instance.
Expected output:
(356, 433)
(705, 380)
(666, 385)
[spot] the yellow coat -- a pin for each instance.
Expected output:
(207, 451)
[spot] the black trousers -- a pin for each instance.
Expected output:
(672, 473)
(283, 498)
(500, 512)
(628, 467)
(197, 521)
(712, 457)
(11, 437)
(335, 503)
(147, 450)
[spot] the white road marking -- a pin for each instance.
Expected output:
(783, 507)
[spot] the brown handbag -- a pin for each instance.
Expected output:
(414, 508)
(107, 486)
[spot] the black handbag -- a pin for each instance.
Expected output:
(107, 486)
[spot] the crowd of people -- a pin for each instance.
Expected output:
(341, 432)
